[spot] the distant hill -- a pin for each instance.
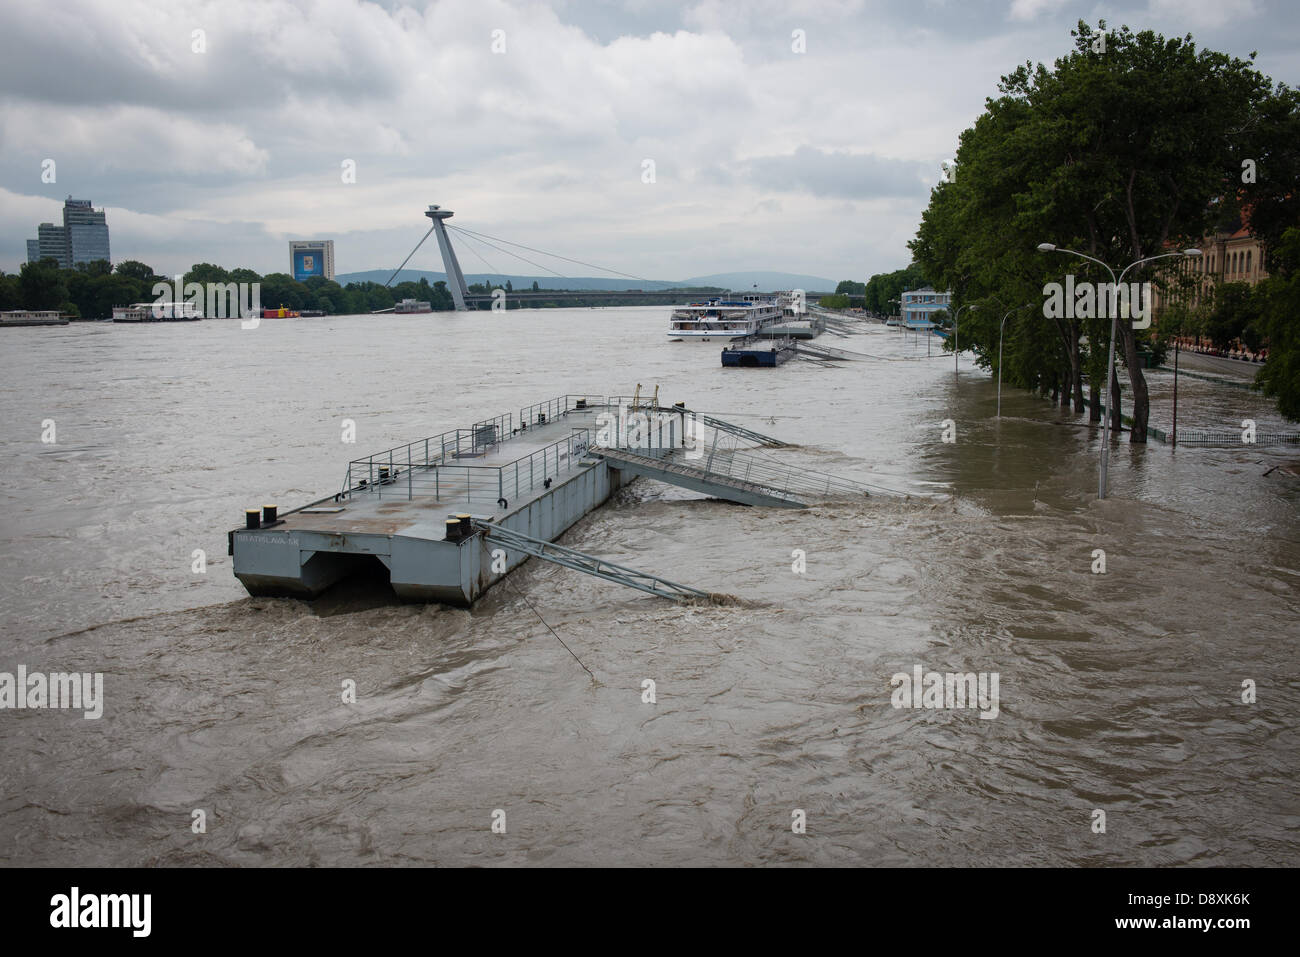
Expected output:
(740, 281)
(765, 280)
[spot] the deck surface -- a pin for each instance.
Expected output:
(419, 504)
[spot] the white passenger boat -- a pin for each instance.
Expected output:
(724, 319)
(163, 311)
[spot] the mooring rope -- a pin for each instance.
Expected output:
(549, 628)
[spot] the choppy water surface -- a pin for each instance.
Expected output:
(1119, 692)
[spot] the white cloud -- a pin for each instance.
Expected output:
(764, 157)
(1205, 13)
(1031, 9)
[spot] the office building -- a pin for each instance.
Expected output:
(82, 238)
(311, 257)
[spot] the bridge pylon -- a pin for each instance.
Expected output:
(455, 278)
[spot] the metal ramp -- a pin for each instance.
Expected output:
(588, 564)
(826, 352)
(736, 477)
(749, 435)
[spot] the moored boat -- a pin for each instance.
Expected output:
(160, 311)
(723, 319)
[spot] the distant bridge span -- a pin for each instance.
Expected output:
(477, 299)
(464, 299)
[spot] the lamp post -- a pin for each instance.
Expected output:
(955, 316)
(1114, 328)
(1001, 326)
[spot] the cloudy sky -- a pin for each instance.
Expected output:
(814, 162)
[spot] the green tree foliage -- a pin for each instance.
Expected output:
(134, 269)
(205, 273)
(1233, 314)
(43, 284)
(836, 301)
(11, 293)
(1119, 151)
(883, 287)
(848, 287)
(1279, 326)
(97, 267)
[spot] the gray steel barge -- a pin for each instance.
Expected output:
(448, 516)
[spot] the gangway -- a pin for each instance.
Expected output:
(735, 476)
(815, 351)
(588, 564)
(749, 435)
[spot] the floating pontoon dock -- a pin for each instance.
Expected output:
(450, 515)
(753, 353)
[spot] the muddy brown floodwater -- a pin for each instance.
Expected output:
(1118, 692)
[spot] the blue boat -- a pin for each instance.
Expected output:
(753, 353)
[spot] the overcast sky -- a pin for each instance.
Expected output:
(765, 158)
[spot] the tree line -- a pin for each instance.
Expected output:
(91, 290)
(1133, 145)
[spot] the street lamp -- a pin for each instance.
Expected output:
(955, 316)
(1001, 326)
(1114, 324)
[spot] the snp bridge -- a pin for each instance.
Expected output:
(466, 300)
(477, 299)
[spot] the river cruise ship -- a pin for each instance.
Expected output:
(724, 319)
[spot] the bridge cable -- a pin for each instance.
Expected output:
(509, 253)
(413, 252)
(553, 255)
(492, 270)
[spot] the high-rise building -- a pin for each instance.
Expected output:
(311, 257)
(87, 231)
(82, 238)
(52, 243)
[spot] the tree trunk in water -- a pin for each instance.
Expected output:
(1076, 371)
(1094, 400)
(1113, 408)
(1138, 381)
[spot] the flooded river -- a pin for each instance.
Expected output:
(1119, 692)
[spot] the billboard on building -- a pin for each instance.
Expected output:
(309, 258)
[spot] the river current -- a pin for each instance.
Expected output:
(1119, 692)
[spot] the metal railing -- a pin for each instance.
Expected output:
(441, 475)
(789, 480)
(1232, 438)
(381, 468)
(726, 464)
(540, 413)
